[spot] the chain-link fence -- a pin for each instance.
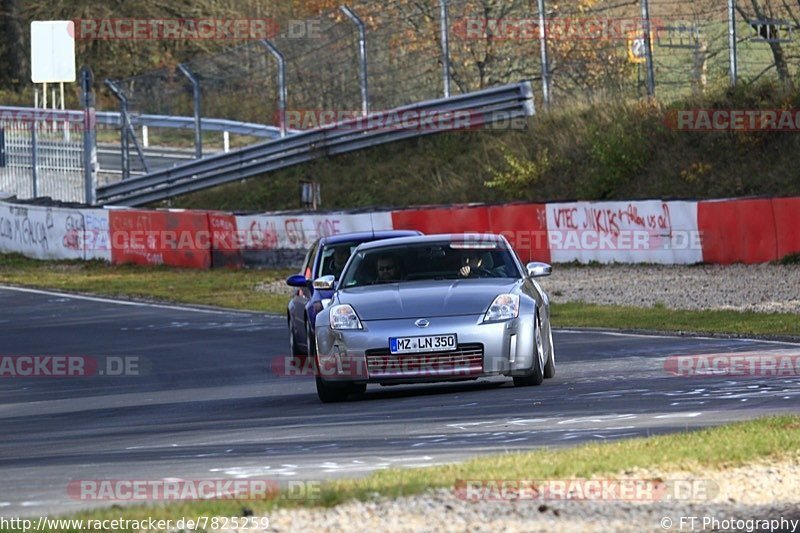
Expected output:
(595, 49)
(380, 55)
(768, 35)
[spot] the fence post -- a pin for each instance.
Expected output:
(281, 85)
(648, 49)
(123, 139)
(34, 159)
(362, 52)
(89, 136)
(700, 66)
(732, 41)
(545, 56)
(127, 133)
(196, 101)
(443, 26)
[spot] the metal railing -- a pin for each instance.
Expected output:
(474, 110)
(41, 158)
(114, 119)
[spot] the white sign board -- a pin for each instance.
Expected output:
(648, 231)
(52, 51)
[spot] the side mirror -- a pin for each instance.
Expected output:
(325, 283)
(298, 280)
(538, 270)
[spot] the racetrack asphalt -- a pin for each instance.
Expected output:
(206, 404)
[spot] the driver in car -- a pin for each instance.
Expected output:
(388, 269)
(340, 257)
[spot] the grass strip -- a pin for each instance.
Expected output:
(236, 289)
(659, 318)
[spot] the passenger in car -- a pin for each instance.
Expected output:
(472, 266)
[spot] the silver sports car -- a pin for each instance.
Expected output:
(433, 308)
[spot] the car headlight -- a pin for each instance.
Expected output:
(325, 302)
(344, 317)
(503, 307)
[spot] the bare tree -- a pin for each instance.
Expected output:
(13, 54)
(772, 36)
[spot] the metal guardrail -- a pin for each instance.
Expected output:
(206, 124)
(481, 108)
(113, 118)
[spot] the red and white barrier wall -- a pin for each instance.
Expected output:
(54, 232)
(749, 231)
(650, 231)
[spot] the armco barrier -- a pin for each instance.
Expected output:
(176, 238)
(737, 231)
(481, 108)
(787, 226)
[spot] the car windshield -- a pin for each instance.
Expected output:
(430, 261)
(335, 256)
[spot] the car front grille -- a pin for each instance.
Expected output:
(465, 361)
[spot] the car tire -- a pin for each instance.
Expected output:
(295, 349)
(536, 377)
(332, 393)
(550, 367)
(311, 343)
(358, 388)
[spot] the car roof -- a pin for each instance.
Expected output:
(365, 236)
(467, 238)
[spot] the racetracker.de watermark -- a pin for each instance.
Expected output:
(71, 366)
(563, 28)
(595, 240)
(400, 120)
(182, 29)
(76, 120)
(156, 241)
(196, 489)
(751, 364)
(357, 366)
(634, 490)
(708, 120)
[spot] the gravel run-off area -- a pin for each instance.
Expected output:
(732, 497)
(764, 288)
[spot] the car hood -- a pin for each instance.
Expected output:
(422, 299)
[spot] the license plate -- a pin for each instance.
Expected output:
(427, 343)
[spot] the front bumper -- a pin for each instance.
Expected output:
(500, 348)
